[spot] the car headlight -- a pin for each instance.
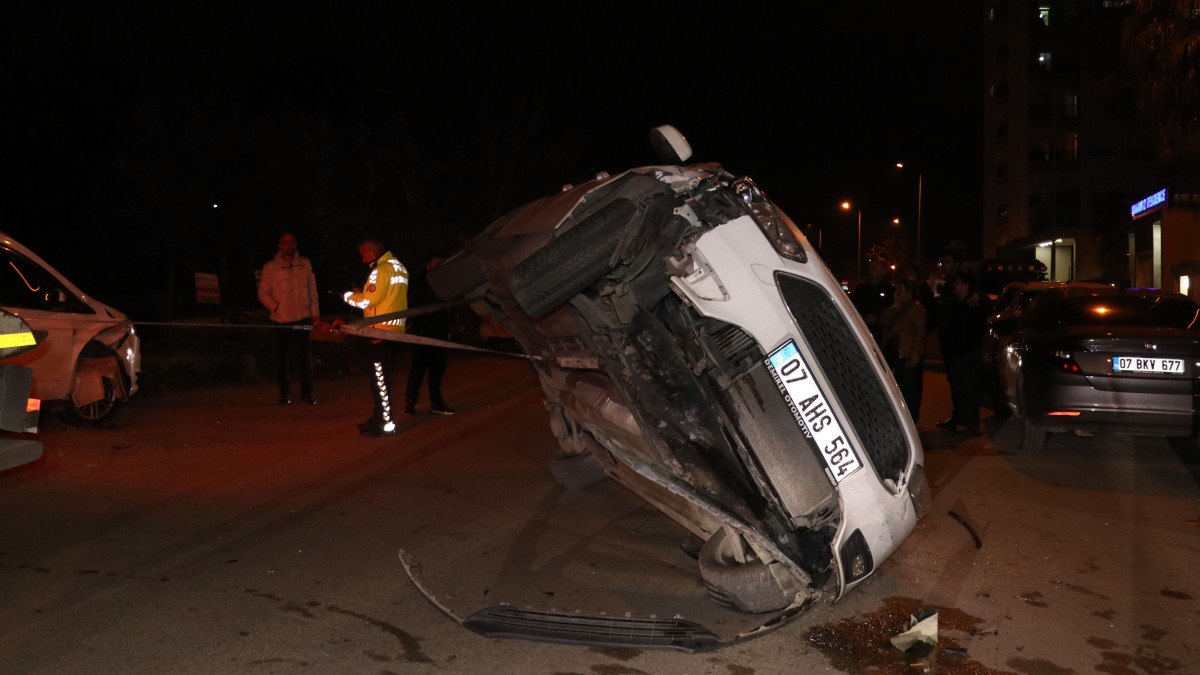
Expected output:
(775, 227)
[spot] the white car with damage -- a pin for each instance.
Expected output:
(88, 354)
(692, 346)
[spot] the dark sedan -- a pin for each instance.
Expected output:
(1104, 360)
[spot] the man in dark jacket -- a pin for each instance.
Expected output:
(873, 296)
(963, 323)
(426, 359)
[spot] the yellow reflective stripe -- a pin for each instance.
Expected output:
(17, 340)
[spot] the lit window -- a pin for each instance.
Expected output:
(1185, 284)
(1043, 60)
(1044, 15)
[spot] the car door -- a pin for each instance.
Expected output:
(31, 292)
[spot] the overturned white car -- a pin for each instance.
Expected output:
(692, 346)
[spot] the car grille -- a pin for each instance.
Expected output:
(847, 367)
(736, 345)
(504, 621)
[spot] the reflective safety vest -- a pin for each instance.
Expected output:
(386, 292)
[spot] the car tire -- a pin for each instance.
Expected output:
(1033, 437)
(744, 586)
(575, 472)
(571, 262)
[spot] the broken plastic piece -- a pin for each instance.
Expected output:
(919, 630)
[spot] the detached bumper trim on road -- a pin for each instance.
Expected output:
(503, 621)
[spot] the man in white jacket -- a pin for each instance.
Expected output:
(288, 290)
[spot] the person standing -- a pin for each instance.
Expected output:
(903, 327)
(427, 359)
(288, 290)
(873, 296)
(961, 338)
(386, 291)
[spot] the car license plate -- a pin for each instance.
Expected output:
(1146, 364)
(812, 412)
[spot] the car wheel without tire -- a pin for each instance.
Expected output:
(98, 411)
(575, 472)
(740, 582)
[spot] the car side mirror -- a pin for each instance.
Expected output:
(669, 145)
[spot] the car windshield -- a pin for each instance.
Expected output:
(1026, 298)
(1006, 298)
(1158, 311)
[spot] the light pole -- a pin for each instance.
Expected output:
(920, 195)
(858, 257)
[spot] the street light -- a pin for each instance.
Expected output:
(920, 191)
(858, 259)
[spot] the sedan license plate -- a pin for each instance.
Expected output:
(812, 412)
(1146, 364)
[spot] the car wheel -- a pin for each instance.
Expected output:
(1033, 437)
(99, 411)
(575, 472)
(740, 582)
(571, 262)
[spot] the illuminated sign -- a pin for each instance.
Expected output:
(1148, 203)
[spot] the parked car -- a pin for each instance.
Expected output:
(1006, 312)
(90, 356)
(1104, 360)
(692, 345)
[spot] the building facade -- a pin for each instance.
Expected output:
(1063, 158)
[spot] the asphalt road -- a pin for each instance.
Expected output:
(216, 531)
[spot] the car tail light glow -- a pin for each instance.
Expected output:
(1063, 413)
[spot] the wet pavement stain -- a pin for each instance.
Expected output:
(297, 609)
(1101, 643)
(1152, 633)
(382, 658)
(1147, 660)
(1033, 598)
(735, 669)
(1081, 590)
(618, 653)
(1178, 595)
(266, 596)
(1105, 613)
(1037, 667)
(862, 644)
(411, 644)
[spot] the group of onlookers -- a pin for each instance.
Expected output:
(904, 310)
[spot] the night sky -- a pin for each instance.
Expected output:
(815, 101)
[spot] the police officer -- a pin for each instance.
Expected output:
(386, 291)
